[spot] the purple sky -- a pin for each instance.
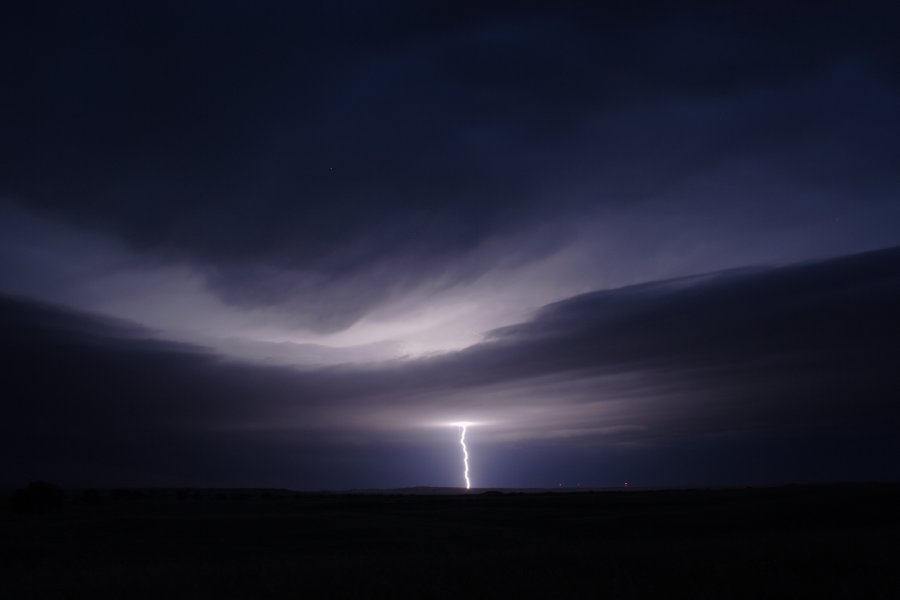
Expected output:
(277, 244)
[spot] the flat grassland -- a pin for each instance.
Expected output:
(840, 541)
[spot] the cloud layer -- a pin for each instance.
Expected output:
(760, 375)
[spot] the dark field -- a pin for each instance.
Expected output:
(799, 542)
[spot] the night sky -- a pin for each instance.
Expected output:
(287, 244)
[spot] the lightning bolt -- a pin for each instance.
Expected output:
(462, 442)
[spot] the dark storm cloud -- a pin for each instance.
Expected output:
(787, 372)
(331, 158)
(92, 400)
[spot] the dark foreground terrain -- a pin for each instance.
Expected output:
(798, 542)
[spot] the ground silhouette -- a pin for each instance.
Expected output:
(798, 541)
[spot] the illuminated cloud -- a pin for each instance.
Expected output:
(715, 365)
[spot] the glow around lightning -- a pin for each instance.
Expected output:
(462, 442)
